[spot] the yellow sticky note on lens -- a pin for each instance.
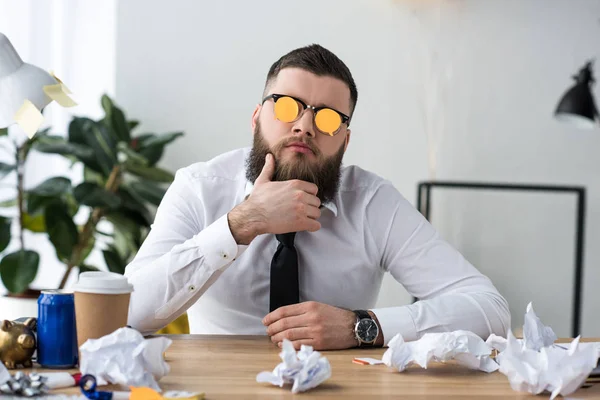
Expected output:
(29, 118)
(58, 93)
(65, 88)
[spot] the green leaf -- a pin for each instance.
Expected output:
(132, 124)
(37, 203)
(152, 146)
(3, 131)
(147, 191)
(132, 155)
(87, 249)
(4, 232)
(19, 269)
(127, 231)
(34, 223)
(59, 145)
(107, 104)
(52, 187)
(78, 132)
(115, 118)
(124, 244)
(61, 230)
(152, 154)
(132, 203)
(159, 140)
(99, 137)
(87, 268)
(5, 169)
(151, 173)
(113, 261)
(90, 176)
(120, 126)
(92, 195)
(8, 203)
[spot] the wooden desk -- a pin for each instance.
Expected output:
(225, 367)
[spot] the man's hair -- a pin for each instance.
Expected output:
(318, 60)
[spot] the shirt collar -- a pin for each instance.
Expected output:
(330, 204)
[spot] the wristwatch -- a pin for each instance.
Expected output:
(366, 329)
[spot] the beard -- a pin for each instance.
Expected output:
(325, 172)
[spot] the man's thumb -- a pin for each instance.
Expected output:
(268, 169)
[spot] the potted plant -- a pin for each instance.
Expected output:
(122, 184)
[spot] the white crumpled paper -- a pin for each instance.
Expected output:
(305, 370)
(125, 357)
(535, 364)
(551, 368)
(465, 347)
(536, 335)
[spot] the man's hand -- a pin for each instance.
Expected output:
(275, 207)
(315, 324)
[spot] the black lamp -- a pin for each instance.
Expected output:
(577, 106)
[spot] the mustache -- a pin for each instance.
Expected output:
(286, 142)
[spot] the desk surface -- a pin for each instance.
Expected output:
(225, 367)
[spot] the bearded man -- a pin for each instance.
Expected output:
(282, 240)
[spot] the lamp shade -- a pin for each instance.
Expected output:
(19, 81)
(577, 106)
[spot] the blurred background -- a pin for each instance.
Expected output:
(448, 90)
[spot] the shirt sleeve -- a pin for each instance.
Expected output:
(452, 294)
(180, 258)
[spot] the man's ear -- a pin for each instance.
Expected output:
(255, 116)
(348, 132)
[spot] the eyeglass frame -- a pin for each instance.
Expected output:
(344, 117)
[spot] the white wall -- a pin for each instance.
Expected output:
(483, 75)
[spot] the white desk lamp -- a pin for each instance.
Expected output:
(19, 81)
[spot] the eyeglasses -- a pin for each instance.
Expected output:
(289, 109)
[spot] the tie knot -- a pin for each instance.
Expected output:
(286, 239)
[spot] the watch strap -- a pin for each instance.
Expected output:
(362, 314)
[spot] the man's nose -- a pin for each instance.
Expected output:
(304, 125)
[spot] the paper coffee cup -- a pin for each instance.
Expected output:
(101, 304)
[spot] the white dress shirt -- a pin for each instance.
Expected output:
(191, 262)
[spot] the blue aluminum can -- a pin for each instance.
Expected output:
(56, 330)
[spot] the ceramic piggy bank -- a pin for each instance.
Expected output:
(17, 343)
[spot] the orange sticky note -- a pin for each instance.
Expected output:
(144, 393)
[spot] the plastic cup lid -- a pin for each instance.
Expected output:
(103, 283)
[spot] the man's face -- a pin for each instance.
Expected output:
(319, 161)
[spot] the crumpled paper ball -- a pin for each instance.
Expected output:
(125, 357)
(464, 347)
(305, 370)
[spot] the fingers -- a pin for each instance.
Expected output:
(311, 199)
(284, 312)
(296, 321)
(267, 172)
(293, 334)
(307, 187)
(312, 225)
(313, 212)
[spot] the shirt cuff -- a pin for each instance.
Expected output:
(217, 244)
(394, 320)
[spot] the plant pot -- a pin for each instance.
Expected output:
(17, 306)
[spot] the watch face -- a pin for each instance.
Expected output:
(367, 330)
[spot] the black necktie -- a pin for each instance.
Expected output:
(284, 273)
